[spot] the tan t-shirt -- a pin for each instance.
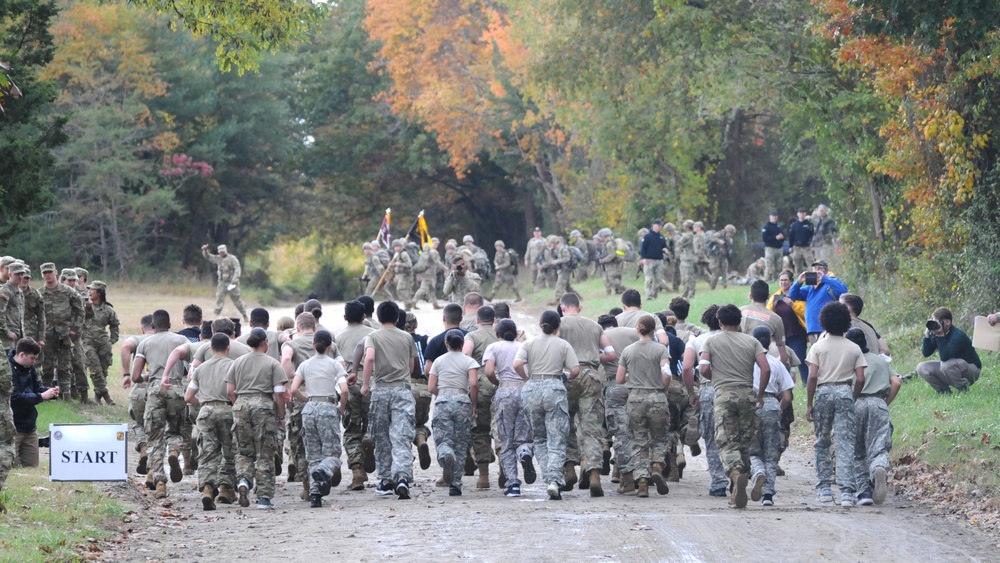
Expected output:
(301, 347)
(630, 319)
(878, 375)
(547, 355)
(837, 358)
(452, 371)
(209, 379)
(236, 350)
(348, 340)
(273, 344)
(155, 349)
(756, 315)
(481, 338)
(620, 338)
(393, 350)
(734, 355)
(256, 373)
(642, 364)
(584, 335)
(321, 375)
(871, 337)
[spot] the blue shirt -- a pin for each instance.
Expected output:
(652, 246)
(830, 289)
(769, 235)
(800, 233)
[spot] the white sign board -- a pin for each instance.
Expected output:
(88, 452)
(985, 336)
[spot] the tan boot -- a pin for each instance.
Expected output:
(680, 463)
(208, 497)
(358, 478)
(423, 451)
(304, 495)
(143, 459)
(176, 474)
(226, 494)
(161, 489)
(569, 476)
(616, 475)
(484, 476)
(84, 399)
(656, 476)
(150, 484)
(739, 498)
(188, 469)
(107, 398)
(627, 486)
(595, 483)
(642, 488)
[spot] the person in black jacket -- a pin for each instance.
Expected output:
(800, 235)
(774, 241)
(28, 392)
(652, 251)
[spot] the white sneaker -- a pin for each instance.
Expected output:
(825, 495)
(846, 500)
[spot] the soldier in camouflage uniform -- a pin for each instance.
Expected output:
(460, 281)
(476, 342)
(765, 451)
(293, 353)
(616, 399)
(701, 251)
(12, 307)
(374, 268)
(216, 460)
(671, 265)
(577, 240)
(720, 248)
(257, 382)
(536, 244)
(78, 356)
(426, 267)
(228, 271)
(99, 316)
(355, 418)
(63, 320)
(506, 272)
(7, 428)
(612, 263)
(137, 391)
(34, 310)
(688, 259)
(560, 262)
(402, 271)
(453, 378)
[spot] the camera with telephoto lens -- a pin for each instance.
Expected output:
(811, 278)
(933, 325)
(459, 267)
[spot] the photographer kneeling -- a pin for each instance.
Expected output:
(959, 366)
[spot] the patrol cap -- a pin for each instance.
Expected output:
(688, 223)
(6, 261)
(451, 243)
(16, 268)
(730, 229)
(575, 233)
(821, 263)
(552, 239)
(27, 272)
(68, 273)
(699, 224)
(80, 272)
(643, 232)
(669, 227)
(538, 229)
(467, 238)
(222, 248)
(605, 232)
(365, 246)
(98, 284)
(500, 244)
(47, 267)
(411, 320)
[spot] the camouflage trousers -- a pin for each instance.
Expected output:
(355, 422)
(772, 263)
(765, 450)
(689, 276)
(393, 428)
(548, 414)
(513, 430)
(585, 399)
(801, 257)
(562, 282)
(834, 424)
(653, 270)
(504, 279)
(874, 438)
(452, 431)
(254, 420)
(384, 290)
(718, 266)
(706, 418)
(683, 417)
(189, 432)
(221, 290)
(216, 460)
(404, 288)
(321, 435)
(735, 426)
(165, 411)
(56, 362)
(616, 419)
(671, 274)
(78, 360)
(648, 421)
(613, 278)
(137, 413)
(296, 447)
(7, 433)
(545, 278)
(421, 408)
(427, 291)
(98, 361)
(482, 439)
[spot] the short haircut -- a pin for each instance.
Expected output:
(502, 310)
(607, 321)
(225, 326)
(710, 317)
(507, 330)
(857, 336)
(219, 342)
(759, 291)
(206, 330)
(646, 325)
(662, 317)
(284, 323)
(835, 318)
(631, 298)
(854, 302)
(570, 299)
(260, 317)
(454, 339)
(486, 314)
(942, 314)
(387, 312)
(401, 320)
(473, 299)
(161, 319)
(305, 321)
(298, 309)
(453, 313)
(615, 311)
(729, 315)
(192, 315)
(763, 335)
(681, 307)
(322, 341)
(146, 322)
(27, 346)
(669, 329)
(368, 303)
(354, 312)
(549, 322)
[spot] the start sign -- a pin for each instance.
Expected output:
(88, 452)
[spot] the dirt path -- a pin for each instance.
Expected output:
(686, 525)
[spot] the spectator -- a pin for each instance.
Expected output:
(959, 366)
(800, 235)
(28, 392)
(792, 315)
(826, 289)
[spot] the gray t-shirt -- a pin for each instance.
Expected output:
(273, 343)
(155, 349)
(348, 340)
(547, 355)
(255, 373)
(584, 335)
(321, 374)
(621, 338)
(209, 379)
(236, 350)
(452, 371)
(393, 350)
(878, 375)
(642, 364)
(733, 356)
(502, 353)
(630, 319)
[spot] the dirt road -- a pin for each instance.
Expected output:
(482, 525)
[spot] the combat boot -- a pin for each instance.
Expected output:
(739, 481)
(642, 488)
(226, 494)
(616, 475)
(188, 470)
(358, 478)
(176, 474)
(569, 476)
(143, 459)
(470, 465)
(84, 399)
(606, 463)
(423, 451)
(304, 495)
(208, 497)
(106, 397)
(336, 477)
(161, 489)
(680, 464)
(484, 476)
(67, 395)
(501, 477)
(74, 393)
(584, 482)
(627, 485)
(291, 473)
(368, 454)
(595, 484)
(657, 478)
(150, 484)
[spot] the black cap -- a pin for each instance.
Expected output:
(821, 263)
(801, 210)
(657, 222)
(773, 212)
(538, 228)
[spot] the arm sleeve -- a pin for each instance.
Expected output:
(928, 345)
(798, 293)
(114, 325)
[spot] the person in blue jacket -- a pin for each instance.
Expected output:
(827, 289)
(28, 392)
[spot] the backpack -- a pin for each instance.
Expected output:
(575, 257)
(413, 250)
(515, 260)
(625, 249)
(383, 256)
(481, 264)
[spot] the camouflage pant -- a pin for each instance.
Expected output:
(221, 290)
(7, 433)
(613, 278)
(505, 279)
(513, 430)
(802, 258)
(421, 408)
(653, 270)
(719, 268)
(254, 420)
(393, 427)
(404, 288)
(189, 432)
(216, 460)
(874, 438)
(137, 412)
(735, 427)
(671, 274)
(453, 431)
(689, 277)
(833, 422)
(683, 417)
(165, 410)
(766, 447)
(426, 291)
(648, 420)
(585, 399)
(56, 363)
(481, 432)
(384, 290)
(772, 263)
(98, 360)
(78, 359)
(562, 282)
(706, 417)
(355, 424)
(616, 418)
(296, 448)
(548, 414)
(321, 434)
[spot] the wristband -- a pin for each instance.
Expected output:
(704, 362)
(609, 349)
